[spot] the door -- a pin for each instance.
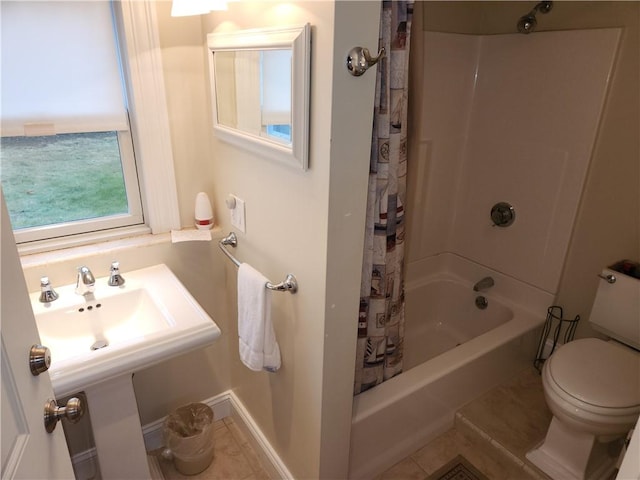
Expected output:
(28, 451)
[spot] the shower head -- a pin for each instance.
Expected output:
(527, 23)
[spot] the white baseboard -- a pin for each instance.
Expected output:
(85, 465)
(268, 456)
(223, 405)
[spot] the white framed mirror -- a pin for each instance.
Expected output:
(260, 90)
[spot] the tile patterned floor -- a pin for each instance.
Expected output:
(233, 458)
(493, 433)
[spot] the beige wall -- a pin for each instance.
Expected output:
(311, 224)
(164, 387)
(286, 222)
(308, 223)
(607, 227)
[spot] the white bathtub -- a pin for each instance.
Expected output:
(453, 351)
(441, 314)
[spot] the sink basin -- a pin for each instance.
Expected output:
(119, 330)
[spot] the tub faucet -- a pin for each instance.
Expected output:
(486, 282)
(85, 283)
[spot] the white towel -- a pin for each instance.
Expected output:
(259, 349)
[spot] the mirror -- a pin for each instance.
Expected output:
(260, 90)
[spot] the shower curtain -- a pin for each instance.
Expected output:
(381, 315)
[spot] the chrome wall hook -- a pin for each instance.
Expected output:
(359, 60)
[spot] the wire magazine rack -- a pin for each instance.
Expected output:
(563, 326)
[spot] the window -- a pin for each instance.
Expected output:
(79, 120)
(63, 178)
(281, 132)
(275, 79)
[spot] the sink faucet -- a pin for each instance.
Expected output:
(115, 279)
(86, 283)
(47, 293)
(486, 282)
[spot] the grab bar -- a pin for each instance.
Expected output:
(290, 284)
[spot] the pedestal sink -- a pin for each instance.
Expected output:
(99, 340)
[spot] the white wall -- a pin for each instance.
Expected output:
(446, 72)
(497, 135)
(531, 146)
(607, 226)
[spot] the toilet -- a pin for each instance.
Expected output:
(592, 387)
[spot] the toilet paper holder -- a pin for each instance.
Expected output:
(555, 315)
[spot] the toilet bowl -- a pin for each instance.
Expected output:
(592, 387)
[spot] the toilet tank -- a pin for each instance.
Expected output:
(616, 308)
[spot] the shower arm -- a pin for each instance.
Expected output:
(541, 7)
(527, 23)
(544, 7)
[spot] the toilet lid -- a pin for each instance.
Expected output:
(598, 373)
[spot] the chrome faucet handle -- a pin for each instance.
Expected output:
(115, 279)
(86, 282)
(47, 293)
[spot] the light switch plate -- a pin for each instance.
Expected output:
(237, 215)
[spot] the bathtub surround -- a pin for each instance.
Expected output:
(480, 136)
(381, 315)
(599, 237)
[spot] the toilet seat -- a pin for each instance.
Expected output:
(596, 376)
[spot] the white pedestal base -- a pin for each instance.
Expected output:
(117, 431)
(568, 454)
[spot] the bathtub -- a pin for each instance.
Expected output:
(453, 352)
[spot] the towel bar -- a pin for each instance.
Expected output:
(290, 284)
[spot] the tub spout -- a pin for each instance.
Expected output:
(485, 283)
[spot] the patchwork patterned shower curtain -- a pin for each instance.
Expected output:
(381, 316)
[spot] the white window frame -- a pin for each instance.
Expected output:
(139, 38)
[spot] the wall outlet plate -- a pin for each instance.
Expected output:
(238, 215)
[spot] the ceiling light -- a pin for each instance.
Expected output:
(183, 8)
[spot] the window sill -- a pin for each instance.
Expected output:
(30, 260)
(50, 252)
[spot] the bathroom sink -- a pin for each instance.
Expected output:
(119, 330)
